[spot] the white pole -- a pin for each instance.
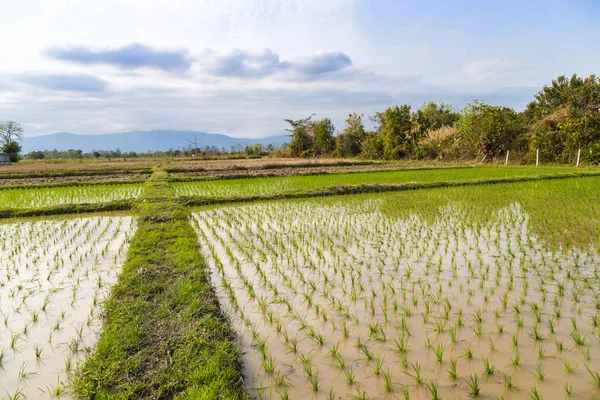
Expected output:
(537, 157)
(578, 156)
(507, 153)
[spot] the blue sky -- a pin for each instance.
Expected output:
(240, 67)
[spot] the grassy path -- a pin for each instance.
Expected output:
(164, 335)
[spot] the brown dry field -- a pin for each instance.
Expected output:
(288, 171)
(151, 162)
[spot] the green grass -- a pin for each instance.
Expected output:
(272, 185)
(164, 335)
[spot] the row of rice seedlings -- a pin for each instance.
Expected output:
(424, 306)
(53, 276)
(54, 196)
(283, 184)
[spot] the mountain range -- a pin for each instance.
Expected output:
(141, 141)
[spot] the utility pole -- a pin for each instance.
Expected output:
(195, 143)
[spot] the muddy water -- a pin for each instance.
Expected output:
(344, 301)
(53, 277)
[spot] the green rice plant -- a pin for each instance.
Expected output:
(360, 395)
(541, 350)
(432, 387)
(515, 340)
(595, 376)
(536, 335)
(452, 370)
(378, 367)
(350, 377)
(416, 374)
(468, 352)
(568, 367)
(282, 380)
(400, 344)
(473, 382)
(534, 394)
(314, 381)
(507, 382)
(578, 337)
(490, 369)
(559, 345)
(367, 353)
(269, 365)
(568, 389)
(539, 372)
(439, 353)
(388, 383)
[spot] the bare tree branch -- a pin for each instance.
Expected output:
(9, 131)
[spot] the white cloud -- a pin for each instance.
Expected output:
(113, 65)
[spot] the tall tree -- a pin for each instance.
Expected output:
(488, 130)
(433, 116)
(322, 132)
(564, 117)
(349, 142)
(301, 143)
(395, 127)
(10, 131)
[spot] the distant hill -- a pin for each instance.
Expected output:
(140, 141)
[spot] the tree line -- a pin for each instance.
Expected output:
(563, 118)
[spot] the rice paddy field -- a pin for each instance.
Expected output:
(38, 197)
(54, 275)
(270, 185)
(487, 291)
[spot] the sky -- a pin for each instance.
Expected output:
(241, 67)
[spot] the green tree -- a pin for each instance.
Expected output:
(564, 117)
(36, 155)
(323, 140)
(12, 149)
(349, 142)
(395, 125)
(432, 116)
(487, 130)
(301, 143)
(373, 146)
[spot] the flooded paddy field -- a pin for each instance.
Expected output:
(54, 275)
(490, 291)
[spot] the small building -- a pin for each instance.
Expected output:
(4, 159)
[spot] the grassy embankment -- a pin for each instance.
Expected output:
(164, 334)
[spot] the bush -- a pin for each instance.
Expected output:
(438, 143)
(12, 149)
(591, 153)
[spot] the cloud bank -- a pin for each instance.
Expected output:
(132, 56)
(246, 64)
(65, 83)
